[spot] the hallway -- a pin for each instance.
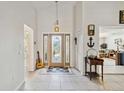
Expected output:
(42, 81)
(36, 34)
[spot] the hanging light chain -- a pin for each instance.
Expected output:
(56, 29)
(57, 21)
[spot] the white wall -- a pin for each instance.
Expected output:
(46, 22)
(13, 16)
(78, 51)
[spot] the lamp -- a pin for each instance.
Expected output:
(56, 28)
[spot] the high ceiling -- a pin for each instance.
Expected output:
(46, 4)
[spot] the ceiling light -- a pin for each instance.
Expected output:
(56, 28)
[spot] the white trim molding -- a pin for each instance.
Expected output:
(20, 85)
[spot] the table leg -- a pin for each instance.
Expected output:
(90, 72)
(85, 66)
(102, 71)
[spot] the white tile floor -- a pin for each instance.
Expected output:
(75, 82)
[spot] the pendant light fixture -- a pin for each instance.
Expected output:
(56, 28)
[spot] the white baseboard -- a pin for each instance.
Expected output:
(19, 86)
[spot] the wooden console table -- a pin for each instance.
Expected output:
(95, 62)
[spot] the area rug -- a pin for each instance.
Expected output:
(56, 71)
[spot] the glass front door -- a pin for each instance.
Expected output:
(56, 50)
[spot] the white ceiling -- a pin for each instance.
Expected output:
(46, 4)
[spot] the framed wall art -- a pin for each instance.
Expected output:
(121, 17)
(91, 30)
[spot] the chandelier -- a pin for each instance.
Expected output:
(56, 28)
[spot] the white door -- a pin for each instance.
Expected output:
(28, 49)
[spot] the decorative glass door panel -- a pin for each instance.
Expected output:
(45, 43)
(56, 49)
(67, 49)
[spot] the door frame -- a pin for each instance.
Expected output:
(56, 33)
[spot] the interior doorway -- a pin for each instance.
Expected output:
(28, 49)
(111, 48)
(56, 50)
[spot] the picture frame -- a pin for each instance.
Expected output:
(121, 17)
(91, 30)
